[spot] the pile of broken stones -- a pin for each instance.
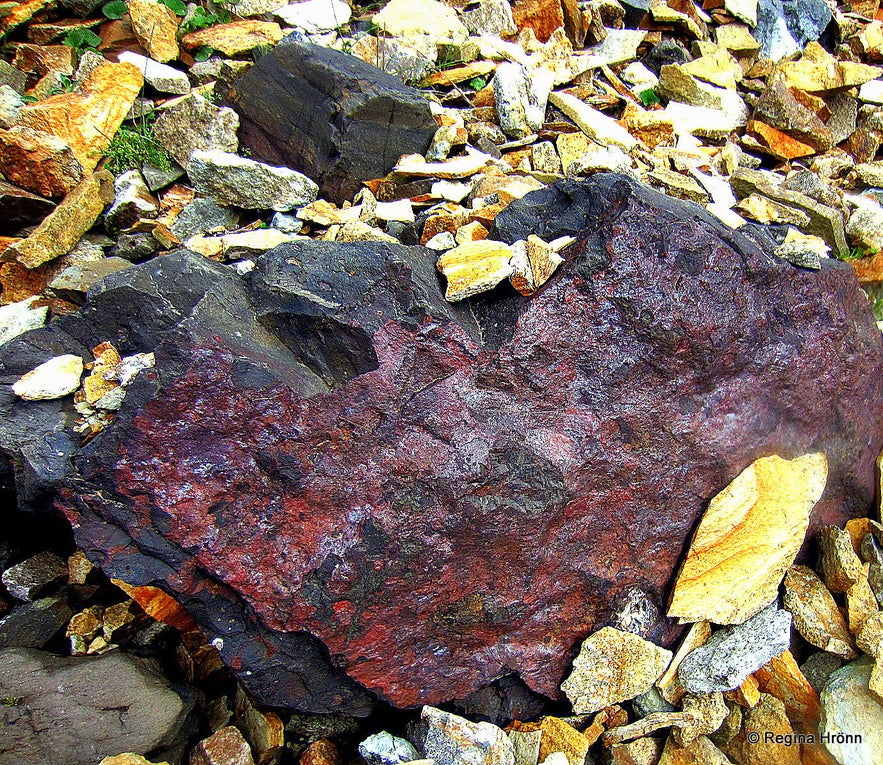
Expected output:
(282, 283)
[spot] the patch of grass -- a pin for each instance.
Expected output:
(132, 147)
(476, 83)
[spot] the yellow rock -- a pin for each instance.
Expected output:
(818, 71)
(781, 677)
(155, 26)
(718, 68)
(700, 752)
(129, 758)
(613, 666)
(841, 567)
(236, 37)
(668, 683)
(754, 747)
(559, 736)
(52, 379)
(860, 602)
(571, 146)
(88, 118)
(748, 537)
(63, 227)
(746, 695)
(475, 267)
(100, 381)
(816, 615)
(22, 13)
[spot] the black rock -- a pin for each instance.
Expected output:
(34, 625)
(786, 26)
(328, 115)
(20, 208)
(666, 52)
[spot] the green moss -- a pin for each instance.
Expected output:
(133, 147)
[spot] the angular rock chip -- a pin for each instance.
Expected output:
(613, 666)
(475, 267)
(226, 746)
(196, 124)
(818, 71)
(233, 180)
(387, 449)
(38, 162)
(451, 740)
(155, 26)
(782, 678)
(817, 616)
(55, 378)
(841, 566)
(161, 77)
(746, 540)
(851, 709)
(733, 653)
(236, 37)
(766, 735)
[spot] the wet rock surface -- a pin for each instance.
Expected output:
(343, 454)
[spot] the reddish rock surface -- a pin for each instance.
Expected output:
(446, 494)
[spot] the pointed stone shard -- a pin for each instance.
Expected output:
(747, 538)
(613, 666)
(475, 267)
(816, 615)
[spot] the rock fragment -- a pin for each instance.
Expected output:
(20, 317)
(451, 739)
(155, 26)
(850, 708)
(597, 126)
(315, 16)
(816, 615)
(385, 749)
(747, 538)
(414, 18)
(613, 666)
(132, 201)
(32, 577)
(233, 180)
(55, 378)
(236, 37)
(224, 747)
(38, 161)
(733, 653)
(161, 77)
(475, 267)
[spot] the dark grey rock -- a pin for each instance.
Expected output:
(732, 653)
(328, 115)
(818, 667)
(202, 216)
(663, 53)
(34, 576)
(135, 247)
(786, 26)
(33, 625)
(21, 208)
(74, 282)
(156, 178)
(75, 711)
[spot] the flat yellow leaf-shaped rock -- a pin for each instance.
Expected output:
(475, 267)
(748, 537)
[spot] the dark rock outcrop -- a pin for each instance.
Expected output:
(329, 115)
(443, 494)
(76, 711)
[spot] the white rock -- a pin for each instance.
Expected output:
(718, 188)
(744, 10)
(520, 97)
(233, 180)
(453, 740)
(871, 92)
(865, 226)
(402, 210)
(453, 191)
(315, 16)
(492, 17)
(702, 121)
(409, 59)
(619, 46)
(18, 318)
(415, 18)
(639, 77)
(443, 240)
(53, 379)
(597, 126)
(599, 159)
(162, 77)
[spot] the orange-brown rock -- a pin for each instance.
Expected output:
(63, 227)
(155, 26)
(236, 37)
(42, 59)
(542, 16)
(869, 270)
(321, 752)
(782, 678)
(224, 747)
(778, 144)
(560, 736)
(817, 616)
(38, 161)
(87, 119)
(22, 13)
(158, 605)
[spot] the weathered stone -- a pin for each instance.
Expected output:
(841, 567)
(323, 752)
(818, 71)
(57, 377)
(224, 747)
(315, 16)
(245, 244)
(818, 668)
(65, 225)
(385, 749)
(35, 575)
(236, 37)
(761, 726)
(38, 161)
(413, 18)
(676, 83)
(526, 746)
(685, 15)
(427, 598)
(782, 678)
(132, 201)
(816, 615)
(69, 713)
(702, 121)
(475, 267)
(203, 216)
(491, 17)
(128, 758)
(33, 625)
(597, 126)
(233, 180)
(520, 98)
(747, 538)
(363, 120)
(155, 27)
(161, 77)
(865, 226)
(613, 666)
(196, 124)
(10, 103)
(409, 59)
(784, 27)
(733, 653)
(850, 708)
(451, 739)
(73, 282)
(20, 207)
(561, 737)
(19, 317)
(88, 118)
(780, 108)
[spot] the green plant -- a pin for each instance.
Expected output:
(857, 253)
(82, 40)
(132, 147)
(875, 296)
(204, 53)
(115, 9)
(200, 18)
(176, 6)
(476, 83)
(648, 97)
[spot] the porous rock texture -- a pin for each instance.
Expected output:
(328, 115)
(442, 494)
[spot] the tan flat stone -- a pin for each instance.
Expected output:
(88, 118)
(613, 666)
(448, 77)
(782, 678)
(747, 538)
(475, 267)
(596, 125)
(66, 224)
(236, 37)
(860, 602)
(700, 752)
(458, 167)
(841, 567)
(155, 26)
(668, 684)
(818, 71)
(559, 736)
(129, 758)
(816, 615)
